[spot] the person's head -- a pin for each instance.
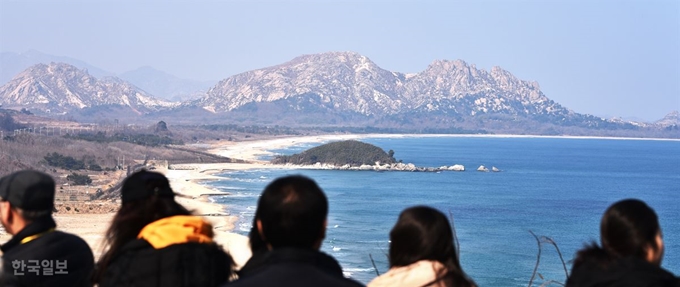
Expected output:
(631, 228)
(146, 197)
(424, 233)
(291, 212)
(25, 196)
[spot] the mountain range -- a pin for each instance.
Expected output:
(336, 89)
(153, 81)
(58, 88)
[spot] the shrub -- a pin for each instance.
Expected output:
(65, 162)
(79, 179)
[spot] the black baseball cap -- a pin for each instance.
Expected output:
(144, 184)
(28, 190)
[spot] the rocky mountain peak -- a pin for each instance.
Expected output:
(338, 60)
(351, 82)
(449, 64)
(60, 88)
(345, 56)
(671, 119)
(338, 79)
(61, 70)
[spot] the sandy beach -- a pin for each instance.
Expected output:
(187, 179)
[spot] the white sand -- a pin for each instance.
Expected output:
(186, 180)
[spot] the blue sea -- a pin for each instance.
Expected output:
(555, 187)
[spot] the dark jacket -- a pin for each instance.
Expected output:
(53, 249)
(170, 253)
(292, 267)
(629, 272)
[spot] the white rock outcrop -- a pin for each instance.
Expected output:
(457, 167)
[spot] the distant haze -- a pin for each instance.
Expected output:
(605, 58)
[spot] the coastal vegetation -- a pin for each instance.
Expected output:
(350, 152)
(69, 163)
(59, 146)
(140, 139)
(79, 179)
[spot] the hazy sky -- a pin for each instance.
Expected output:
(617, 58)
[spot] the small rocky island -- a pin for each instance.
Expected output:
(354, 155)
(349, 152)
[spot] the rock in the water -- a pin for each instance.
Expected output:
(482, 168)
(365, 167)
(457, 167)
(495, 169)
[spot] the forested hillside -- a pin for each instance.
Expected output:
(350, 152)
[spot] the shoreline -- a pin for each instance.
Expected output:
(187, 180)
(252, 150)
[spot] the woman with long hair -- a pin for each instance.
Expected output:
(630, 253)
(422, 252)
(155, 241)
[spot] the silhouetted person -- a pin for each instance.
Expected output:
(155, 241)
(422, 252)
(291, 221)
(38, 254)
(630, 253)
(258, 249)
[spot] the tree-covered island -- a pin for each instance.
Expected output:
(349, 152)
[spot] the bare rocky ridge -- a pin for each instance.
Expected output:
(59, 88)
(337, 90)
(670, 120)
(348, 89)
(351, 82)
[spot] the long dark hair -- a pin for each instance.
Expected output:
(424, 233)
(129, 221)
(628, 228)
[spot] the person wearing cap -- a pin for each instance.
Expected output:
(155, 241)
(38, 254)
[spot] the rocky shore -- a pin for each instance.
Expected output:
(384, 167)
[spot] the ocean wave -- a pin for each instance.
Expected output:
(245, 227)
(248, 180)
(241, 195)
(358, 269)
(232, 188)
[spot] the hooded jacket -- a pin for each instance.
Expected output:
(417, 274)
(173, 251)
